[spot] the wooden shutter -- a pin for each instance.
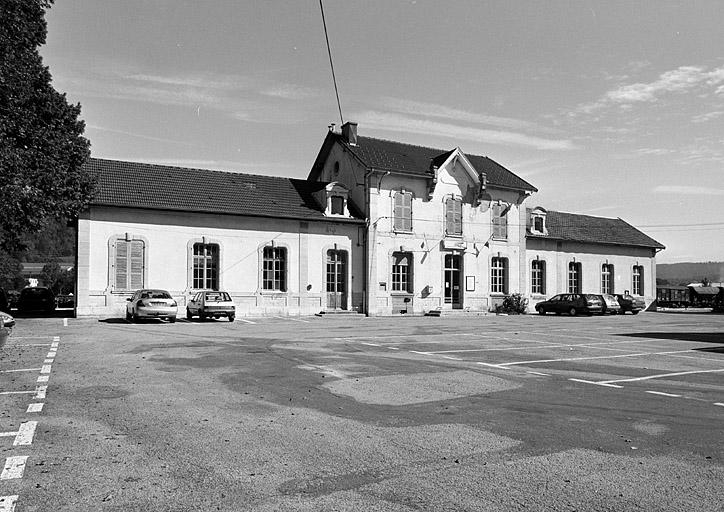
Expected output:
(121, 265)
(407, 211)
(398, 211)
(136, 264)
(458, 216)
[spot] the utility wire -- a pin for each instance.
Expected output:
(331, 64)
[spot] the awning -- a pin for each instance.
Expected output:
(705, 290)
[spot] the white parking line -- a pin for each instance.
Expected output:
(539, 373)
(40, 392)
(663, 394)
(35, 407)
(593, 357)
(245, 321)
(371, 344)
(17, 392)
(597, 383)
(48, 361)
(42, 378)
(527, 347)
(719, 404)
(660, 376)
(7, 503)
(493, 366)
(20, 370)
(14, 467)
(25, 433)
(45, 368)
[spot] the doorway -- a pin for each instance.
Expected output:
(336, 279)
(453, 280)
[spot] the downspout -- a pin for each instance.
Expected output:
(367, 270)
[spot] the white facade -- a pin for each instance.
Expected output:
(168, 238)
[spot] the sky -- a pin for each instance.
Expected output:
(610, 108)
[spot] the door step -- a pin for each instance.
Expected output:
(337, 313)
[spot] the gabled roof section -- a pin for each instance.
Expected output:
(407, 158)
(160, 187)
(586, 228)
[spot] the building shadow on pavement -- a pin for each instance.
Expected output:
(703, 337)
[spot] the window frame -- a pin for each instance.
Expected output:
(538, 277)
(575, 277)
(607, 278)
(637, 288)
(499, 281)
(278, 262)
(210, 274)
(401, 281)
(128, 241)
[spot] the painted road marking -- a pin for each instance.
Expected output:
(451, 357)
(539, 373)
(719, 404)
(392, 348)
(661, 375)
(65, 322)
(493, 366)
(371, 344)
(17, 392)
(8, 434)
(7, 503)
(596, 357)
(56, 339)
(35, 407)
(527, 347)
(48, 361)
(40, 392)
(45, 368)
(14, 467)
(663, 394)
(596, 383)
(25, 433)
(21, 370)
(43, 378)
(245, 321)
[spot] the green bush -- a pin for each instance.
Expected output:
(514, 304)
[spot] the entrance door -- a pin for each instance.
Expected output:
(453, 280)
(336, 279)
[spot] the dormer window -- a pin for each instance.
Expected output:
(538, 221)
(336, 200)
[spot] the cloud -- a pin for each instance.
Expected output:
(136, 135)
(680, 80)
(702, 118)
(688, 190)
(654, 151)
(422, 109)
(406, 124)
(291, 92)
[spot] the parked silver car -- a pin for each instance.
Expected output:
(149, 303)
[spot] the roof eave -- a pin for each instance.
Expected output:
(620, 244)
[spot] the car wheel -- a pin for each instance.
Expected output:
(634, 312)
(172, 319)
(572, 311)
(541, 311)
(188, 314)
(128, 316)
(202, 316)
(134, 317)
(231, 318)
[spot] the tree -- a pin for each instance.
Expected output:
(42, 148)
(58, 279)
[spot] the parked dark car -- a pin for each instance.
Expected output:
(630, 303)
(36, 299)
(571, 303)
(4, 302)
(610, 305)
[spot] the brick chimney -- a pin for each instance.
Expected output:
(349, 132)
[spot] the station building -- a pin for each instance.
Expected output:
(378, 227)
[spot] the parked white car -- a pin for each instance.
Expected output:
(149, 303)
(211, 304)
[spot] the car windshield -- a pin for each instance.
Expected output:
(155, 294)
(218, 297)
(593, 297)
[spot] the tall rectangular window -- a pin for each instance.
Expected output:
(607, 278)
(574, 277)
(499, 275)
(129, 264)
(638, 280)
(499, 216)
(275, 269)
(402, 213)
(538, 277)
(454, 216)
(206, 266)
(402, 272)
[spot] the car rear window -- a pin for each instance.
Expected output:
(593, 297)
(218, 297)
(156, 294)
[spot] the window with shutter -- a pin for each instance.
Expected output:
(454, 216)
(129, 264)
(402, 213)
(499, 217)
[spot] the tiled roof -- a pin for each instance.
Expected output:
(586, 228)
(398, 156)
(139, 185)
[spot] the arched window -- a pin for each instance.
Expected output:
(206, 266)
(575, 271)
(402, 272)
(637, 287)
(499, 275)
(538, 277)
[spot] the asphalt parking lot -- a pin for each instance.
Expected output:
(463, 413)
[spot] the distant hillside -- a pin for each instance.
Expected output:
(685, 273)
